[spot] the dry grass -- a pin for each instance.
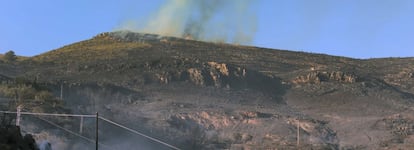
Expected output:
(90, 50)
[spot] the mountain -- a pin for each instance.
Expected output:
(200, 95)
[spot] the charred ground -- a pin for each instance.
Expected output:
(217, 96)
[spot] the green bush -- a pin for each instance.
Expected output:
(32, 96)
(10, 56)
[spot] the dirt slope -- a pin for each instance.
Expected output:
(220, 96)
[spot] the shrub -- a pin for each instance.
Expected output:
(10, 56)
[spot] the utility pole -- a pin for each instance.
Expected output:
(96, 131)
(298, 134)
(61, 91)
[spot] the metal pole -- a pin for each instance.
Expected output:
(96, 131)
(298, 134)
(61, 91)
(81, 125)
(19, 108)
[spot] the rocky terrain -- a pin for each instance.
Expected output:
(199, 95)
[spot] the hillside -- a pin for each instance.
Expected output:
(222, 96)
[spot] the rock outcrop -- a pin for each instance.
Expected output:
(401, 127)
(403, 78)
(318, 77)
(216, 74)
(235, 129)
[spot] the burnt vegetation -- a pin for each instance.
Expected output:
(202, 95)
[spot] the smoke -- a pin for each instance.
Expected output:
(231, 21)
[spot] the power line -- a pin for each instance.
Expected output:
(74, 133)
(136, 132)
(90, 116)
(50, 114)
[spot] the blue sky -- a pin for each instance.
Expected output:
(352, 28)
